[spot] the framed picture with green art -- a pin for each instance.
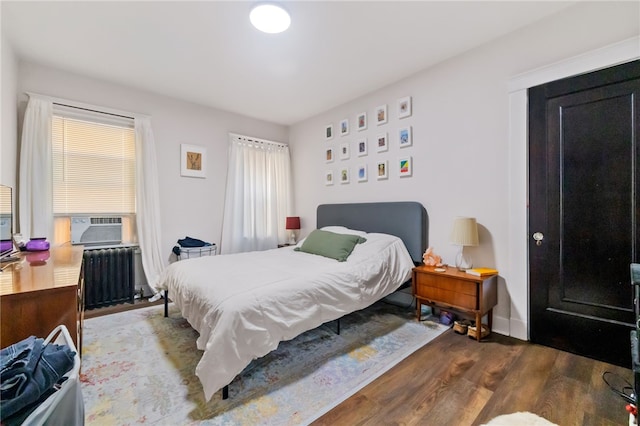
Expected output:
(344, 175)
(405, 167)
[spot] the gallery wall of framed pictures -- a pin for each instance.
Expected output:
(389, 126)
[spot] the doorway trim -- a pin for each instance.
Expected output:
(518, 238)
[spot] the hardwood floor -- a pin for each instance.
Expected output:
(455, 380)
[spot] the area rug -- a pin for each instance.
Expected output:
(139, 367)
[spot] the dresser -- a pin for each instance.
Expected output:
(452, 289)
(40, 291)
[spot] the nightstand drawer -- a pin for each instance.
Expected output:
(448, 297)
(446, 283)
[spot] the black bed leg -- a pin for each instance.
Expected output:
(225, 392)
(166, 304)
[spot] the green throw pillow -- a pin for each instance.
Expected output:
(330, 244)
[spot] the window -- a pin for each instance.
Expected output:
(93, 163)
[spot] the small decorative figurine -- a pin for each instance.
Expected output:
(430, 258)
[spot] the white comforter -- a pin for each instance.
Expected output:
(244, 304)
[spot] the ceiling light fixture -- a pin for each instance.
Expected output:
(270, 18)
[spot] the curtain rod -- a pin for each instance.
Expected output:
(258, 140)
(93, 110)
(89, 107)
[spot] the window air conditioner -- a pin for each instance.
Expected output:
(96, 230)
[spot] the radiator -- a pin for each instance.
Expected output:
(109, 277)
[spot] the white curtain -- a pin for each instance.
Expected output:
(148, 202)
(35, 185)
(258, 197)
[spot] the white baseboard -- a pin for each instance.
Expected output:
(519, 329)
(510, 327)
(500, 325)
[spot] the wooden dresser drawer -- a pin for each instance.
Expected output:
(446, 283)
(448, 296)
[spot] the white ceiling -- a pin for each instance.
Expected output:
(207, 52)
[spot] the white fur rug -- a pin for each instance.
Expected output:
(520, 419)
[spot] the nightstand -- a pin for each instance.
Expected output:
(455, 290)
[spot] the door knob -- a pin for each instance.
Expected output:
(538, 236)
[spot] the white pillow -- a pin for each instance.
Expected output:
(344, 230)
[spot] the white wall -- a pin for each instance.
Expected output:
(8, 121)
(189, 206)
(461, 140)
(8, 116)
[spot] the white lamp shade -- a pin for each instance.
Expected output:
(465, 231)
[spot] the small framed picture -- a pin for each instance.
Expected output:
(404, 107)
(362, 173)
(329, 155)
(193, 161)
(328, 177)
(405, 167)
(382, 169)
(328, 132)
(344, 175)
(344, 127)
(362, 121)
(382, 144)
(381, 114)
(344, 151)
(362, 147)
(404, 137)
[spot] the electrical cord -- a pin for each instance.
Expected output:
(625, 392)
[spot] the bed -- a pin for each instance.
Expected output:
(243, 305)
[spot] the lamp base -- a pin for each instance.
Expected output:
(463, 262)
(292, 238)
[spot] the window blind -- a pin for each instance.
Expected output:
(93, 163)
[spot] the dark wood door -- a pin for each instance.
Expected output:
(584, 203)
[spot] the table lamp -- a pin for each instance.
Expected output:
(464, 233)
(293, 224)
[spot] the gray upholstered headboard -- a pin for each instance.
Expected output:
(405, 219)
